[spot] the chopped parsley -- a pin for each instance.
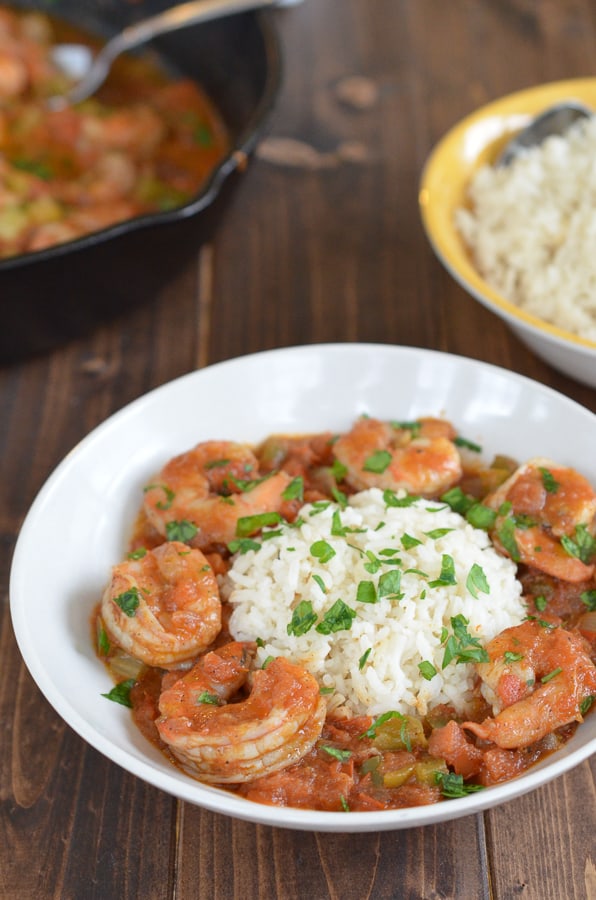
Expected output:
(588, 598)
(139, 553)
(550, 484)
(128, 601)
(477, 582)
(583, 547)
(341, 755)
(303, 619)
(364, 658)
(248, 525)
(460, 646)
(389, 584)
(210, 699)
(295, 489)
(427, 670)
(453, 786)
(181, 531)
(243, 545)
(447, 574)
(546, 678)
(378, 462)
(469, 445)
(371, 731)
(337, 618)
(120, 693)
(322, 551)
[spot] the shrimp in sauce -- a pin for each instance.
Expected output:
(419, 457)
(225, 743)
(545, 513)
(209, 490)
(538, 679)
(163, 607)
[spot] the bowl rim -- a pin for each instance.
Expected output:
(298, 359)
(513, 107)
(234, 160)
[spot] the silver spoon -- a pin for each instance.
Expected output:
(78, 62)
(554, 120)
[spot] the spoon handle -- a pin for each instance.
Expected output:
(191, 13)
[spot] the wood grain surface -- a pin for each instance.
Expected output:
(321, 242)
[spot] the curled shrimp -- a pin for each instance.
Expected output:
(211, 488)
(163, 608)
(537, 679)
(545, 512)
(421, 457)
(227, 743)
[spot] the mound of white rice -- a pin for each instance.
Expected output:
(391, 567)
(532, 229)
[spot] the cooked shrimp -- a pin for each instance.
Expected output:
(422, 459)
(228, 743)
(138, 128)
(540, 509)
(537, 678)
(163, 608)
(212, 487)
(13, 75)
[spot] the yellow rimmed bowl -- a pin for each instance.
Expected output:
(472, 143)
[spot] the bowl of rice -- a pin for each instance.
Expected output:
(91, 501)
(519, 238)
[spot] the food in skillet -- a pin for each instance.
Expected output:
(363, 621)
(145, 143)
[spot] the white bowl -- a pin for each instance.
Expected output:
(77, 526)
(473, 142)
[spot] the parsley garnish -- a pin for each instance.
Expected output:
(469, 445)
(295, 489)
(546, 678)
(378, 462)
(248, 525)
(322, 551)
(584, 545)
(589, 599)
(427, 670)
(477, 581)
(447, 574)
(303, 619)
(120, 693)
(364, 658)
(341, 755)
(548, 481)
(371, 731)
(206, 697)
(128, 601)
(366, 592)
(390, 583)
(461, 646)
(139, 553)
(337, 618)
(181, 531)
(243, 545)
(452, 785)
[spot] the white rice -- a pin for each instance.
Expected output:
(532, 229)
(399, 632)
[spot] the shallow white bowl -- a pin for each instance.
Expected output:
(473, 142)
(77, 526)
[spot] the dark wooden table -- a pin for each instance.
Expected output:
(322, 242)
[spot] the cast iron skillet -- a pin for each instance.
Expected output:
(55, 295)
